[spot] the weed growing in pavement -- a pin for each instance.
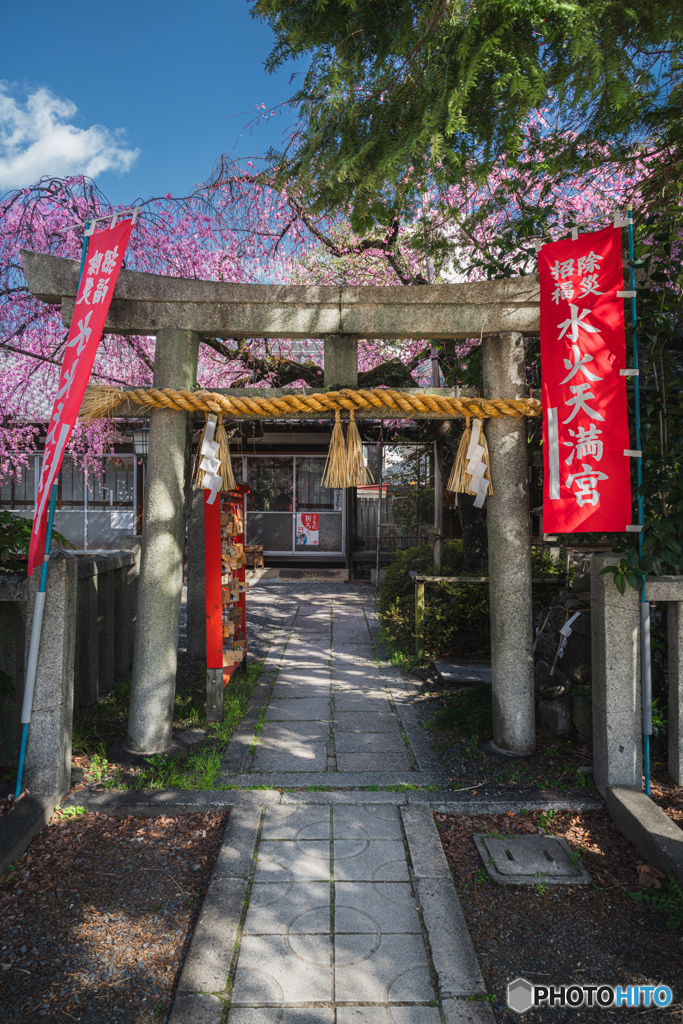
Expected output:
(668, 899)
(545, 819)
(67, 813)
(197, 770)
(11, 872)
(541, 889)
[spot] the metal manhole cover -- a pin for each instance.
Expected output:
(530, 860)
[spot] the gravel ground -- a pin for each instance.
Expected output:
(581, 934)
(97, 917)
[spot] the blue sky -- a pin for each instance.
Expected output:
(143, 96)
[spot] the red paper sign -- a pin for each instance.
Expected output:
(102, 264)
(587, 479)
(307, 527)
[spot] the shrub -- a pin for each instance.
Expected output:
(457, 619)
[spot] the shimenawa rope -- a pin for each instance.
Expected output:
(103, 400)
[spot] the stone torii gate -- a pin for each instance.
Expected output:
(179, 312)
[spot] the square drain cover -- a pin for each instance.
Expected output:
(530, 860)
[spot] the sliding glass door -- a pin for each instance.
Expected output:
(288, 509)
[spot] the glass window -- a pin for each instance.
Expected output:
(18, 491)
(114, 486)
(311, 496)
(71, 480)
(270, 480)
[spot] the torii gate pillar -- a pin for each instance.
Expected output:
(160, 583)
(512, 661)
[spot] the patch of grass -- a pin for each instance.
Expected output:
(197, 770)
(668, 899)
(69, 813)
(470, 711)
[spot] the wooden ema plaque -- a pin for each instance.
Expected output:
(226, 590)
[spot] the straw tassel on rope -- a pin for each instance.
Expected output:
(471, 473)
(336, 472)
(357, 470)
(214, 471)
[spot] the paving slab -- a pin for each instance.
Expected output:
(369, 743)
(284, 1015)
(267, 972)
(278, 908)
(302, 709)
(296, 823)
(363, 860)
(303, 861)
(356, 700)
(374, 822)
(396, 970)
(397, 762)
(388, 1015)
(308, 757)
(362, 722)
(376, 907)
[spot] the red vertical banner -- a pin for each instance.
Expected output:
(103, 261)
(587, 479)
(212, 570)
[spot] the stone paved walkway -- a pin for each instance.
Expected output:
(339, 909)
(328, 704)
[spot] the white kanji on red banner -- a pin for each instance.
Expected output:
(102, 265)
(584, 396)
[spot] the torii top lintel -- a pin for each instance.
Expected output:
(147, 303)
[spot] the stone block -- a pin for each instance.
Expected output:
(617, 754)
(48, 752)
(453, 955)
(554, 716)
(236, 853)
(426, 851)
(207, 964)
(397, 762)
(196, 1009)
(648, 827)
(302, 709)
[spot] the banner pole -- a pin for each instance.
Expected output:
(645, 657)
(34, 648)
(39, 606)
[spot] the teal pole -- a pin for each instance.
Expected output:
(36, 630)
(645, 657)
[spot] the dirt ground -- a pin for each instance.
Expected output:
(97, 915)
(563, 934)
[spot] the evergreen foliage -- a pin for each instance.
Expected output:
(401, 92)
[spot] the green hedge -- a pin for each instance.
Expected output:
(456, 620)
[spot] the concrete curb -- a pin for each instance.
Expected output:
(648, 827)
(453, 955)
(207, 965)
(23, 823)
(180, 801)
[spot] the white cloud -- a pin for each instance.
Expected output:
(36, 138)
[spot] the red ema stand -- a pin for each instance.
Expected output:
(226, 591)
